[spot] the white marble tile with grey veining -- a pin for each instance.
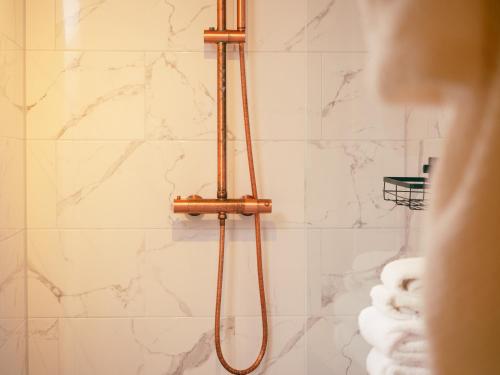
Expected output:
(161, 346)
(161, 273)
(41, 184)
(145, 25)
(132, 184)
(13, 346)
(335, 347)
(173, 25)
(11, 24)
(85, 95)
(43, 346)
(127, 184)
(344, 183)
(12, 93)
(348, 109)
(12, 274)
(12, 186)
(334, 26)
(277, 25)
(40, 24)
(181, 96)
(344, 264)
(426, 123)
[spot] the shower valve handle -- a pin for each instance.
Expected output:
(195, 205)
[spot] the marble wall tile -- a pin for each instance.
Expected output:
(41, 184)
(344, 264)
(12, 93)
(277, 89)
(415, 234)
(160, 273)
(344, 183)
(314, 95)
(110, 184)
(145, 25)
(77, 273)
(12, 188)
(77, 95)
(181, 96)
(40, 24)
(132, 184)
(160, 346)
(173, 25)
(334, 25)
(419, 152)
(43, 346)
(278, 25)
(427, 123)
(348, 109)
(12, 24)
(182, 251)
(12, 274)
(335, 347)
(13, 347)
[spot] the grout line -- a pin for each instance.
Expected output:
(194, 140)
(145, 99)
(54, 10)
(25, 161)
(298, 228)
(304, 227)
(199, 51)
(173, 317)
(321, 117)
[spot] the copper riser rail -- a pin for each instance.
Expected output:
(248, 205)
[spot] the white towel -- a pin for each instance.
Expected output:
(400, 340)
(395, 303)
(404, 274)
(379, 364)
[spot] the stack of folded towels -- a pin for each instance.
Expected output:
(393, 324)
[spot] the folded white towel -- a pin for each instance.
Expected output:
(395, 303)
(379, 364)
(404, 274)
(400, 340)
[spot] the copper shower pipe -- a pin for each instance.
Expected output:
(221, 122)
(241, 14)
(248, 205)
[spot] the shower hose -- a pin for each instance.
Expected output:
(258, 243)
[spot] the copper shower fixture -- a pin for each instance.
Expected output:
(195, 205)
(248, 205)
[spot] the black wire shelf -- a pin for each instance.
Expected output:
(411, 192)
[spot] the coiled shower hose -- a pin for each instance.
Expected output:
(258, 243)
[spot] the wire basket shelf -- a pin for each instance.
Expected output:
(411, 192)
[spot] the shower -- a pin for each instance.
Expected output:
(247, 205)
